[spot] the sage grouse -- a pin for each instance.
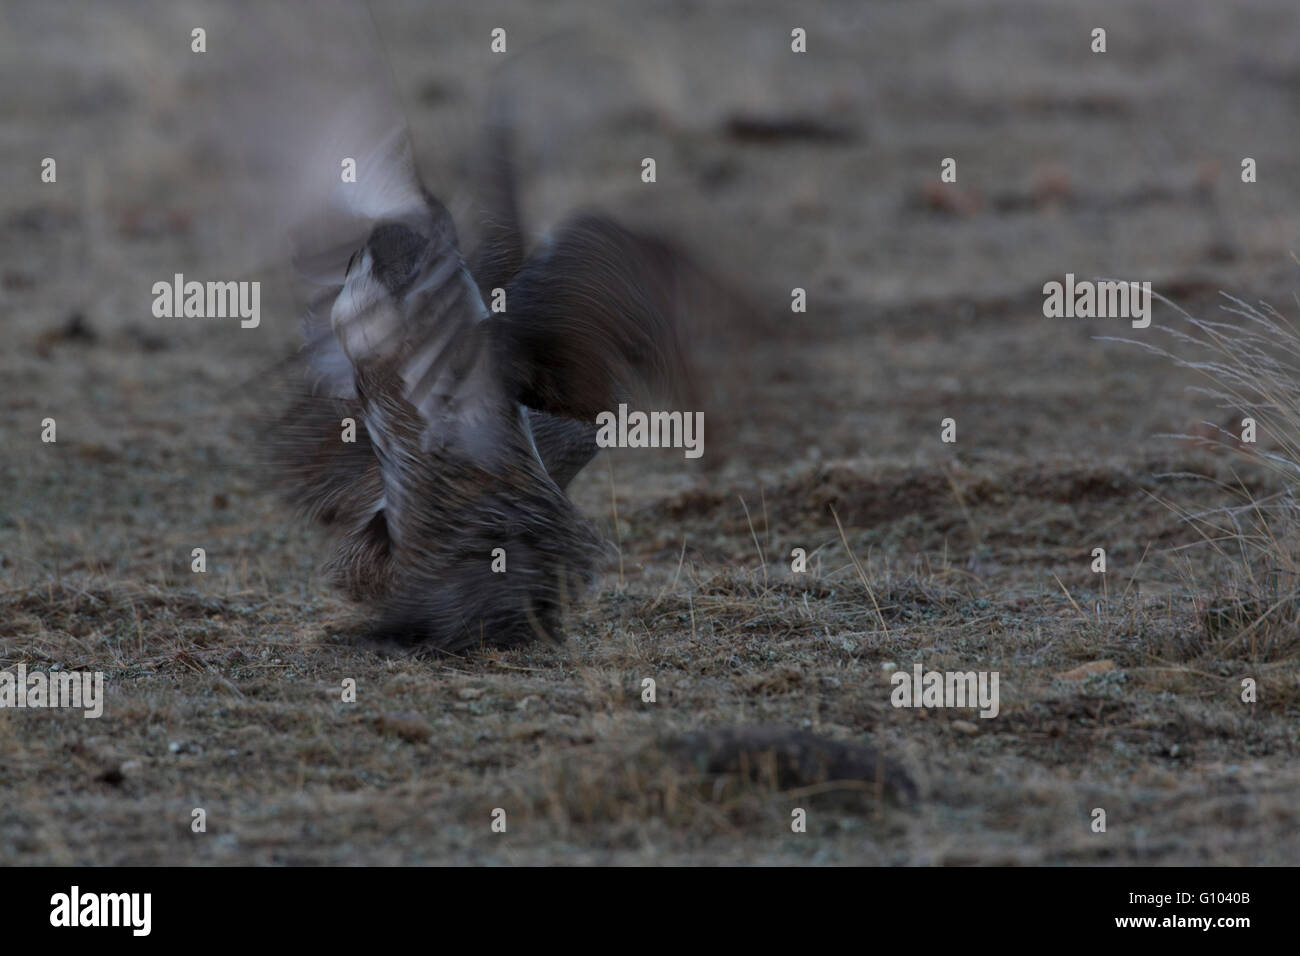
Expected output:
(469, 423)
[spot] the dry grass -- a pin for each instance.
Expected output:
(1250, 363)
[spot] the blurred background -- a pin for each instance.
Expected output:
(817, 170)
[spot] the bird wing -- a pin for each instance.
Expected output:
(595, 317)
(323, 156)
(409, 313)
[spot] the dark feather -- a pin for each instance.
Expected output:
(592, 320)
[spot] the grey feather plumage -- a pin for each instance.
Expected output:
(469, 424)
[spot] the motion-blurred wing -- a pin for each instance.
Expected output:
(398, 318)
(594, 318)
(409, 309)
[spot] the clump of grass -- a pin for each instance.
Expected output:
(1250, 363)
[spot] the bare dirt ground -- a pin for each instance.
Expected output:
(924, 303)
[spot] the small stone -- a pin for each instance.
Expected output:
(1087, 670)
(964, 727)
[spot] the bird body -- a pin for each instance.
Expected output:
(448, 507)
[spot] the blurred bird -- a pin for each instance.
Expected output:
(469, 424)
